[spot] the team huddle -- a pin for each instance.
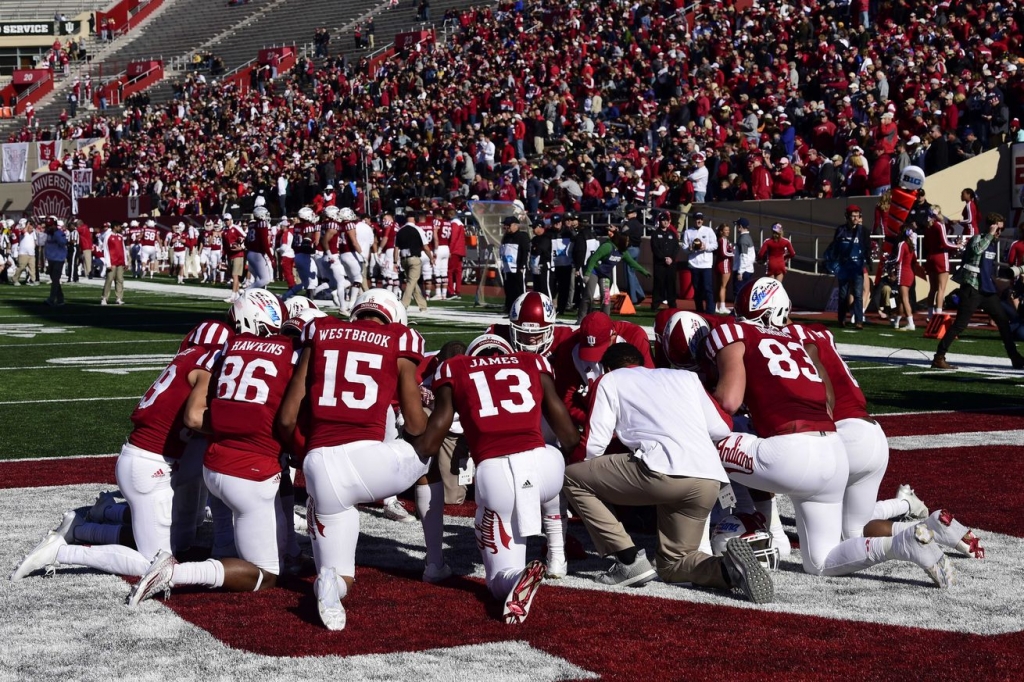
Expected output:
(726, 413)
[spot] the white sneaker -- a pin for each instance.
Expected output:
(120, 302)
(434, 574)
(951, 533)
(917, 545)
(328, 599)
(103, 301)
(396, 511)
(157, 579)
(104, 501)
(43, 555)
(520, 598)
(557, 569)
(918, 510)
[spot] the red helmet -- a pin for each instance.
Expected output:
(764, 302)
(532, 322)
(682, 337)
(211, 333)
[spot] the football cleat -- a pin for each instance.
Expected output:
(72, 520)
(951, 533)
(435, 574)
(517, 605)
(917, 545)
(746, 572)
(104, 501)
(156, 580)
(42, 556)
(636, 574)
(396, 511)
(918, 510)
(328, 599)
(556, 569)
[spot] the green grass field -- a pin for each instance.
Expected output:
(70, 376)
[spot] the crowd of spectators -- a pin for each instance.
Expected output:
(590, 106)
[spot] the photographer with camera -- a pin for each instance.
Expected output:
(56, 254)
(977, 279)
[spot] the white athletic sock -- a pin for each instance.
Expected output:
(113, 559)
(770, 510)
(444, 293)
(890, 509)
(430, 507)
(553, 523)
(209, 573)
(900, 526)
(98, 534)
(856, 554)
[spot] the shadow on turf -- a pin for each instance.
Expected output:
(974, 404)
(158, 319)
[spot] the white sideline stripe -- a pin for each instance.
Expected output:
(62, 457)
(957, 440)
(966, 409)
(69, 400)
(84, 343)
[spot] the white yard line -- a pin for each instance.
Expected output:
(30, 344)
(69, 400)
(956, 440)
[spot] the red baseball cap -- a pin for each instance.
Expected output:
(596, 335)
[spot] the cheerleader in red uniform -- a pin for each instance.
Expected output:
(904, 266)
(723, 266)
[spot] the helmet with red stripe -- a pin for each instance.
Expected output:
(489, 344)
(379, 303)
(751, 528)
(257, 311)
(681, 339)
(212, 333)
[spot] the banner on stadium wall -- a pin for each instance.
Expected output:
(15, 160)
(47, 152)
(1017, 176)
(51, 195)
(14, 29)
(81, 186)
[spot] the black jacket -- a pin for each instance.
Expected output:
(664, 244)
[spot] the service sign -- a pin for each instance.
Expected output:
(15, 29)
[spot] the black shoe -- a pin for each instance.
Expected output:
(1018, 362)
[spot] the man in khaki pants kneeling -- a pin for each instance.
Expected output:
(670, 425)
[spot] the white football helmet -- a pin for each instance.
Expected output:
(257, 311)
(381, 303)
(764, 302)
(296, 304)
(682, 337)
(179, 228)
(307, 214)
(333, 213)
(532, 323)
(749, 527)
(261, 213)
(294, 325)
(347, 215)
(487, 345)
(150, 223)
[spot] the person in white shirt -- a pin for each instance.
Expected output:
(27, 257)
(700, 242)
(699, 178)
(365, 237)
(672, 463)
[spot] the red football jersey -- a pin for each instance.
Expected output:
(159, 418)
(352, 376)
(498, 400)
(784, 392)
(307, 238)
(251, 382)
(850, 402)
(428, 230)
(150, 236)
(257, 239)
(332, 243)
(444, 232)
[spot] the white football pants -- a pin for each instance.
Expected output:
(340, 477)
(867, 451)
(259, 268)
(353, 269)
(258, 519)
(339, 280)
(509, 494)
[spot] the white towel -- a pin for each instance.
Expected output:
(526, 484)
